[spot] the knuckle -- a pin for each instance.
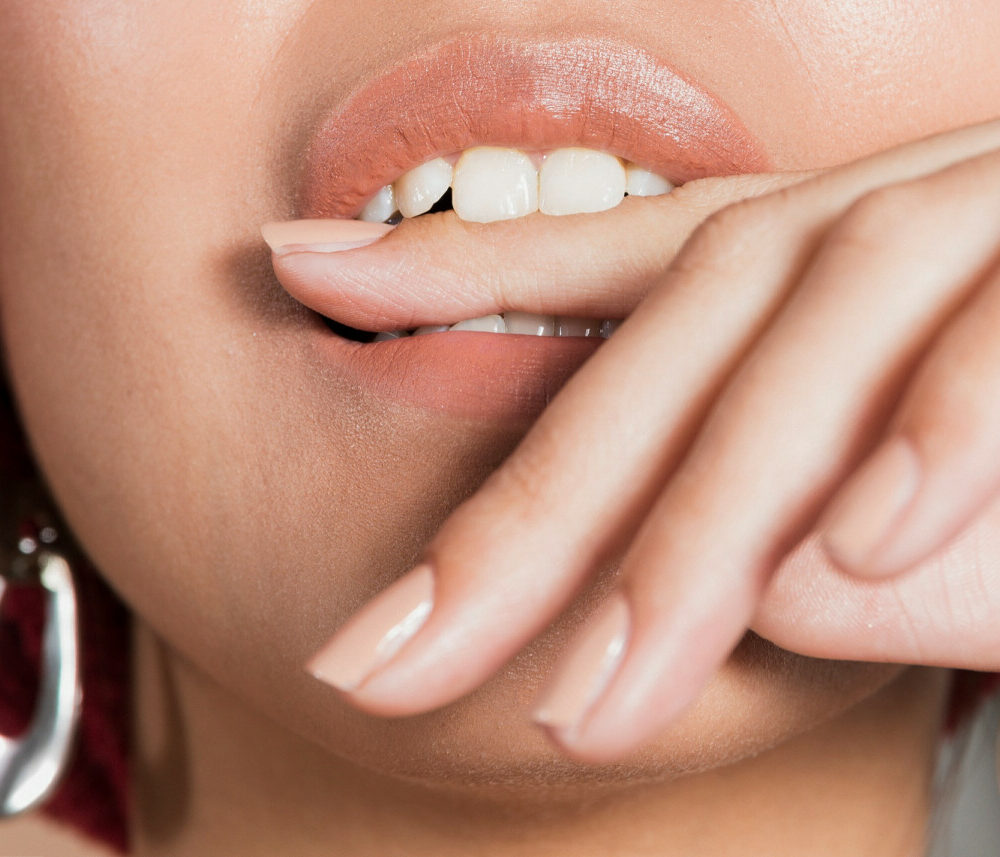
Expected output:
(946, 410)
(879, 220)
(519, 479)
(523, 484)
(722, 242)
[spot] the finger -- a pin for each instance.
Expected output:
(437, 269)
(941, 613)
(941, 461)
(509, 559)
(774, 445)
(514, 555)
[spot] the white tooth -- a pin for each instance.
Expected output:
(530, 323)
(380, 207)
(485, 324)
(493, 183)
(566, 326)
(610, 326)
(421, 187)
(430, 328)
(640, 182)
(575, 181)
(389, 335)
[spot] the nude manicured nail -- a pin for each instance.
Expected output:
(379, 631)
(863, 515)
(588, 669)
(321, 236)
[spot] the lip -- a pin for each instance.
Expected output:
(534, 95)
(477, 376)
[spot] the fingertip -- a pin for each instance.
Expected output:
(376, 634)
(860, 531)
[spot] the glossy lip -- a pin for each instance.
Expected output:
(479, 376)
(497, 90)
(535, 95)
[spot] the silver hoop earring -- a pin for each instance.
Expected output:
(32, 764)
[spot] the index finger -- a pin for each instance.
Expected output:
(514, 555)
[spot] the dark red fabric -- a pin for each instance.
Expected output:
(94, 795)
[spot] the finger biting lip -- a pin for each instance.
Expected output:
(487, 89)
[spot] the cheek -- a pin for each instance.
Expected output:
(862, 75)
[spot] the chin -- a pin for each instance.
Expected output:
(486, 746)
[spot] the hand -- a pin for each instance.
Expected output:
(820, 360)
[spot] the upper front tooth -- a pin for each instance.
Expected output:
(421, 187)
(380, 207)
(640, 182)
(493, 183)
(575, 181)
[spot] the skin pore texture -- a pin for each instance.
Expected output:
(245, 498)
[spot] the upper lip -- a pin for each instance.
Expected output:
(535, 95)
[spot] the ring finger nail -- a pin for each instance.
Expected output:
(864, 515)
(587, 671)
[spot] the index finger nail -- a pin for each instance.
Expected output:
(321, 236)
(373, 636)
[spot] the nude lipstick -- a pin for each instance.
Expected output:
(499, 91)
(536, 95)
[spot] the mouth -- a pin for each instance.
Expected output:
(449, 143)
(534, 96)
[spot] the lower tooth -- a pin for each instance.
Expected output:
(530, 323)
(486, 324)
(525, 323)
(577, 326)
(610, 326)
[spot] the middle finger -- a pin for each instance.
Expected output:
(802, 405)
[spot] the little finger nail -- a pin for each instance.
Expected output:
(379, 631)
(321, 236)
(587, 671)
(864, 513)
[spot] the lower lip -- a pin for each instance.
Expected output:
(484, 376)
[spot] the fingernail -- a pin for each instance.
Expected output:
(377, 632)
(587, 670)
(321, 236)
(863, 514)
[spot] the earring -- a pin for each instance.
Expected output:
(32, 764)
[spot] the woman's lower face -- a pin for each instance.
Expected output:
(244, 486)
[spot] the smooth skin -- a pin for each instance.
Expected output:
(246, 498)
